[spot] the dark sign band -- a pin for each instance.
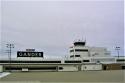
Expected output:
(29, 54)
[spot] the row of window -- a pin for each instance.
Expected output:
(120, 60)
(79, 50)
(42, 68)
(75, 56)
(80, 43)
(31, 68)
(67, 61)
(30, 61)
(86, 61)
(103, 60)
(72, 61)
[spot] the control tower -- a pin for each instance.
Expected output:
(80, 50)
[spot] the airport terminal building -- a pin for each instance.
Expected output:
(81, 58)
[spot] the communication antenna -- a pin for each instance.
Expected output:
(85, 40)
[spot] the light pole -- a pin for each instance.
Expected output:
(117, 49)
(9, 46)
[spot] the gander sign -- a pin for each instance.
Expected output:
(29, 54)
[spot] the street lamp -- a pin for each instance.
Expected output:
(9, 51)
(117, 49)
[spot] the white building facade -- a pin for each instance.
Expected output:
(79, 50)
(81, 58)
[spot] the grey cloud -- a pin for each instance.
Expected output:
(53, 25)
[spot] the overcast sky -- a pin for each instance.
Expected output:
(52, 26)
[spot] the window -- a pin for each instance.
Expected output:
(103, 60)
(77, 55)
(96, 54)
(80, 50)
(30, 61)
(42, 68)
(85, 60)
(50, 61)
(98, 61)
(83, 50)
(123, 67)
(13, 68)
(72, 61)
(71, 50)
(120, 60)
(107, 53)
(4, 61)
(80, 43)
(60, 68)
(71, 56)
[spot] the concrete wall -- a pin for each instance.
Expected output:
(1, 68)
(92, 51)
(103, 59)
(68, 68)
(91, 67)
